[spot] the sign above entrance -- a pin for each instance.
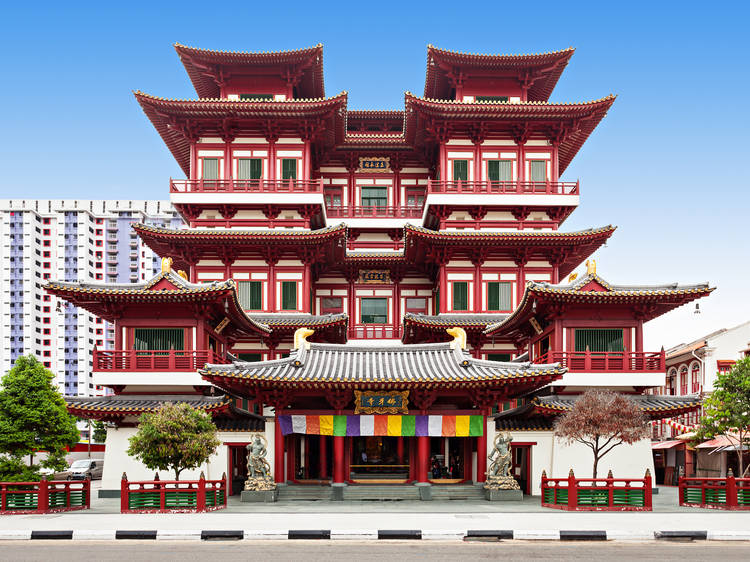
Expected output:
(380, 402)
(374, 164)
(375, 276)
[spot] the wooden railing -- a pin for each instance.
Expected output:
(153, 360)
(716, 493)
(372, 332)
(44, 496)
(597, 494)
(511, 187)
(172, 496)
(246, 186)
(607, 361)
(351, 211)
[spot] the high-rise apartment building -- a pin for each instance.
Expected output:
(75, 240)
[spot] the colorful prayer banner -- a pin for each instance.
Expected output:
(387, 425)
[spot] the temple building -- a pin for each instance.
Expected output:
(378, 293)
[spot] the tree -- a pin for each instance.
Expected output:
(727, 410)
(602, 420)
(175, 437)
(100, 432)
(33, 417)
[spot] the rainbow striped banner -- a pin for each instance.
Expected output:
(394, 426)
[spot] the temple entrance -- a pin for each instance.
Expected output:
(447, 464)
(379, 460)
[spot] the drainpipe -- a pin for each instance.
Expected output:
(703, 370)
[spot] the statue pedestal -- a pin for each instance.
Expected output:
(259, 496)
(503, 495)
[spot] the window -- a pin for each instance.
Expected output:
(374, 311)
(250, 294)
(460, 170)
(210, 168)
(500, 170)
(599, 340)
(374, 196)
(249, 357)
(498, 295)
(461, 295)
(288, 295)
(288, 168)
(491, 98)
(256, 96)
(538, 170)
(498, 357)
(332, 197)
(416, 305)
(159, 338)
(415, 198)
(249, 168)
(331, 305)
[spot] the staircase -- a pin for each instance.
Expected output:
(375, 492)
(457, 492)
(304, 493)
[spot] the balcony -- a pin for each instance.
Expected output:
(374, 332)
(607, 361)
(131, 360)
(357, 212)
(246, 186)
(507, 187)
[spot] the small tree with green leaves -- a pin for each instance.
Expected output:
(727, 410)
(99, 435)
(33, 417)
(175, 437)
(602, 420)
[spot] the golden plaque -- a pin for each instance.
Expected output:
(381, 402)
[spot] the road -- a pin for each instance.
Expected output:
(403, 551)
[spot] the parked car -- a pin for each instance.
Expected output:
(86, 468)
(54, 474)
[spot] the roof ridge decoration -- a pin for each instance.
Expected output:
(141, 94)
(608, 98)
(178, 45)
(433, 48)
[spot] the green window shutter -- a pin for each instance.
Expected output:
(505, 170)
(460, 170)
(493, 170)
(250, 294)
(461, 295)
(288, 295)
(374, 197)
(599, 340)
(159, 339)
(249, 168)
(538, 169)
(210, 168)
(289, 168)
(374, 311)
(498, 295)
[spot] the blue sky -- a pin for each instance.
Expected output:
(665, 165)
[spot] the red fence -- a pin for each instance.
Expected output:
(607, 361)
(517, 187)
(353, 211)
(716, 493)
(153, 360)
(246, 186)
(172, 496)
(44, 496)
(374, 332)
(597, 494)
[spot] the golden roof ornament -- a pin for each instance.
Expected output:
(182, 274)
(572, 277)
(166, 265)
(459, 337)
(300, 338)
(590, 267)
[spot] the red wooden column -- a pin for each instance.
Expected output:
(338, 459)
(423, 457)
(482, 452)
(322, 458)
(400, 449)
(278, 452)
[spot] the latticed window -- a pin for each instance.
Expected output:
(249, 168)
(159, 339)
(210, 169)
(599, 340)
(460, 170)
(498, 295)
(374, 311)
(256, 96)
(500, 170)
(288, 295)
(491, 98)
(250, 294)
(538, 170)
(374, 196)
(461, 295)
(288, 168)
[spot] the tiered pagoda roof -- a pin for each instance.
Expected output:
(540, 70)
(330, 326)
(426, 327)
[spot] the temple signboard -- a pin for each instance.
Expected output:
(375, 276)
(381, 402)
(380, 164)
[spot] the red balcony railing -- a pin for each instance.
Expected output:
(246, 186)
(350, 211)
(374, 332)
(156, 360)
(510, 187)
(607, 361)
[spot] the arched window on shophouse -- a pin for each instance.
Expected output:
(695, 378)
(683, 380)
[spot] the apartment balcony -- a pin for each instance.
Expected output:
(130, 360)
(374, 332)
(359, 212)
(607, 361)
(504, 187)
(246, 186)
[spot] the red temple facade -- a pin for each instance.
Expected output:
(333, 259)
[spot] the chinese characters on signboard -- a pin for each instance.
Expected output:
(380, 402)
(374, 276)
(375, 164)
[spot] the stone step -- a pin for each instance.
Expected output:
(383, 492)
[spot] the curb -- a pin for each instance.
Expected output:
(380, 534)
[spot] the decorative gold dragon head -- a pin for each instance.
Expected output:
(300, 338)
(459, 337)
(166, 265)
